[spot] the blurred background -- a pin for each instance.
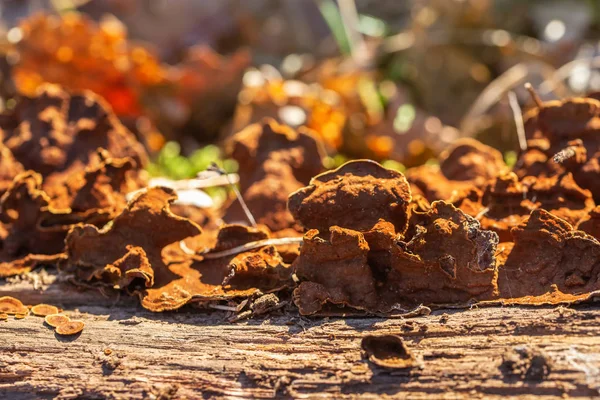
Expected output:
(395, 81)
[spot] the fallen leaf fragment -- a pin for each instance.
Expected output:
(70, 328)
(388, 351)
(55, 320)
(43, 310)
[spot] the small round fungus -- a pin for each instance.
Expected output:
(3, 317)
(10, 305)
(55, 320)
(70, 328)
(20, 316)
(42, 310)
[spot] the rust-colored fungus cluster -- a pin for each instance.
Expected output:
(140, 252)
(386, 254)
(43, 310)
(373, 240)
(70, 161)
(70, 328)
(275, 160)
(466, 165)
(370, 247)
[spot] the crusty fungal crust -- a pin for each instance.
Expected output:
(354, 196)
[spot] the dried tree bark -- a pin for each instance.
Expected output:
(127, 353)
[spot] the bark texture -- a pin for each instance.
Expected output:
(126, 352)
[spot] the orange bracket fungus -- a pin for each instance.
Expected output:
(54, 320)
(467, 164)
(508, 200)
(70, 328)
(43, 310)
(130, 248)
(355, 196)
(135, 253)
(550, 260)
(11, 306)
(443, 257)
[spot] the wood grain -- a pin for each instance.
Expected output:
(195, 354)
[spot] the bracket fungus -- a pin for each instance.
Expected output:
(11, 306)
(54, 320)
(135, 253)
(43, 310)
(571, 123)
(56, 133)
(130, 247)
(590, 223)
(355, 196)
(69, 160)
(70, 328)
(549, 258)
(275, 160)
(218, 274)
(467, 164)
(508, 200)
(443, 257)
(35, 224)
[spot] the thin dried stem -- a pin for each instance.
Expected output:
(565, 70)
(253, 245)
(481, 213)
(215, 168)
(188, 184)
(197, 183)
(222, 307)
(534, 96)
(518, 117)
(468, 37)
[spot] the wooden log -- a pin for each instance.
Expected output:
(125, 352)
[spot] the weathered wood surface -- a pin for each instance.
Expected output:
(191, 354)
